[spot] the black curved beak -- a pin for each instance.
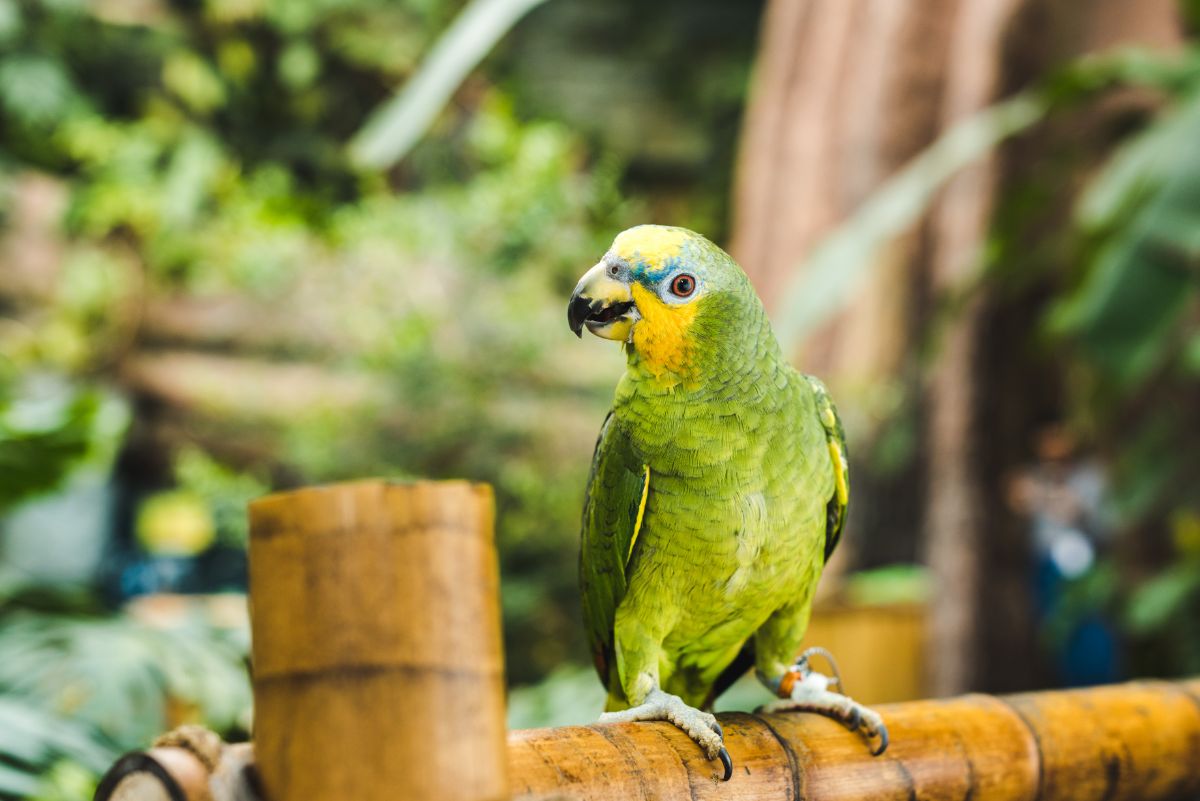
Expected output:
(583, 309)
(602, 303)
(578, 311)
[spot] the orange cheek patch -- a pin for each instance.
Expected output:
(661, 336)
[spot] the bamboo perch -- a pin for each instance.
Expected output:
(1135, 741)
(378, 675)
(1125, 742)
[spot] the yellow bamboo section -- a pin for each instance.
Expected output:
(377, 659)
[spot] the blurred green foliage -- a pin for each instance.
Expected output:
(1123, 324)
(39, 441)
(78, 685)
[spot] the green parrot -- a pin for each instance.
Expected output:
(718, 491)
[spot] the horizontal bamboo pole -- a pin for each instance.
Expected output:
(1127, 742)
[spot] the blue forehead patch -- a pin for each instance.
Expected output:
(646, 273)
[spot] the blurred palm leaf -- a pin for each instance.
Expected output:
(76, 689)
(41, 439)
(394, 128)
(127, 679)
(1158, 600)
(827, 278)
(36, 90)
(31, 740)
(1148, 200)
(837, 265)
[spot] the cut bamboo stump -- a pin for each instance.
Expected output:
(1125, 742)
(377, 659)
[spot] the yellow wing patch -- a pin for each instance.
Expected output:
(653, 244)
(637, 524)
(661, 336)
(839, 472)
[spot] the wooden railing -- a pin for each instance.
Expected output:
(377, 675)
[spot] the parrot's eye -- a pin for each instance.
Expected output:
(683, 285)
(613, 270)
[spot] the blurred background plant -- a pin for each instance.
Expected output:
(231, 261)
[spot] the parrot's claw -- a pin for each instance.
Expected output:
(724, 755)
(727, 762)
(855, 720)
(702, 727)
(808, 692)
(883, 741)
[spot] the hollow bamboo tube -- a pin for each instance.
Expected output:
(1122, 742)
(377, 660)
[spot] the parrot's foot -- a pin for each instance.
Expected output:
(802, 689)
(702, 727)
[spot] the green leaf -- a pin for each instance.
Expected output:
(1146, 465)
(299, 65)
(1128, 308)
(1191, 12)
(395, 127)
(193, 167)
(194, 81)
(1137, 166)
(826, 280)
(117, 674)
(18, 783)
(1191, 355)
(1158, 600)
(829, 276)
(66, 780)
(33, 737)
(10, 21)
(225, 490)
(40, 441)
(36, 89)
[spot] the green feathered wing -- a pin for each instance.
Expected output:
(615, 496)
(835, 437)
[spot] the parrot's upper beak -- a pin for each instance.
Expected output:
(605, 305)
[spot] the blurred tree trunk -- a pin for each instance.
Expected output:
(846, 92)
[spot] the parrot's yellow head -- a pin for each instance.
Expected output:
(666, 292)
